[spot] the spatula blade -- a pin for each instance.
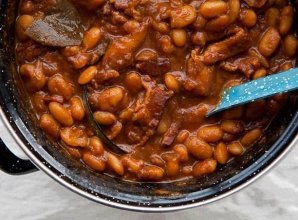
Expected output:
(257, 89)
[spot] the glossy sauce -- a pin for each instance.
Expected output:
(164, 66)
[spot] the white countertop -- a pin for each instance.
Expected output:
(36, 196)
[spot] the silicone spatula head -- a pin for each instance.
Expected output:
(257, 89)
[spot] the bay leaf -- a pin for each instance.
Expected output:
(62, 26)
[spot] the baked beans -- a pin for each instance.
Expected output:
(152, 70)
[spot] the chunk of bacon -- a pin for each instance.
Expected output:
(246, 65)
(171, 133)
(154, 67)
(120, 52)
(148, 109)
(237, 43)
(90, 4)
(256, 3)
(200, 78)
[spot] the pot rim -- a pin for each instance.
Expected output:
(114, 204)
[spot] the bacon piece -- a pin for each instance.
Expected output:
(237, 43)
(120, 52)
(154, 67)
(171, 133)
(200, 78)
(256, 3)
(246, 65)
(147, 111)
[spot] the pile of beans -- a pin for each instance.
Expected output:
(164, 68)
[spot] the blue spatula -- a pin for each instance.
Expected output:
(258, 89)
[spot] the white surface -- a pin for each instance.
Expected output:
(37, 197)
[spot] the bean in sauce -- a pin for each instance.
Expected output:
(164, 66)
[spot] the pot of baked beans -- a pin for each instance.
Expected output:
(109, 97)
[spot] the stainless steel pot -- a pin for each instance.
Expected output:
(112, 191)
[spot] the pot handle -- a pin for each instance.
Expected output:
(11, 164)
